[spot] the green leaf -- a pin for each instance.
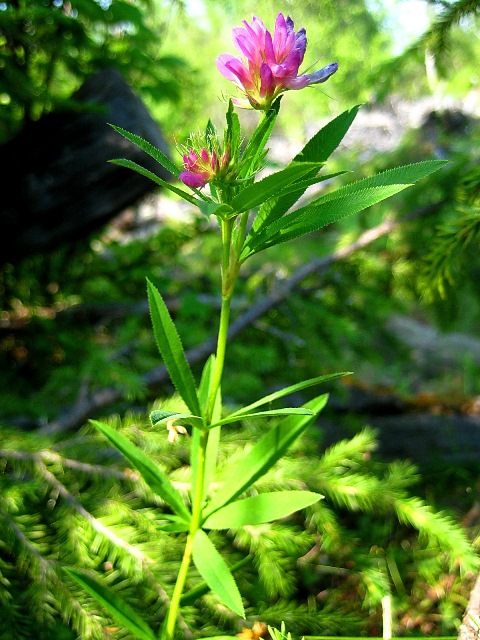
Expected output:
(149, 149)
(210, 133)
(287, 411)
(232, 137)
(263, 455)
(294, 388)
(150, 472)
(158, 416)
(321, 146)
(129, 164)
(214, 435)
(254, 151)
(171, 350)
(318, 215)
(120, 611)
(264, 507)
(214, 570)
(257, 193)
(342, 203)
(215, 209)
(275, 208)
(190, 597)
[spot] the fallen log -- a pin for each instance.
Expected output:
(57, 183)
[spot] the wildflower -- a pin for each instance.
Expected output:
(175, 430)
(202, 166)
(269, 65)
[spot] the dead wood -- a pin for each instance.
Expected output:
(57, 183)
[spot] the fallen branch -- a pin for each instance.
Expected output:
(86, 407)
(469, 628)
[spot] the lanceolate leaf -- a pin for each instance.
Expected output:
(120, 611)
(294, 388)
(171, 350)
(318, 149)
(200, 590)
(287, 411)
(259, 192)
(340, 203)
(213, 436)
(324, 142)
(148, 148)
(214, 570)
(150, 472)
(232, 136)
(254, 151)
(158, 417)
(263, 455)
(264, 507)
(318, 215)
(129, 164)
(275, 208)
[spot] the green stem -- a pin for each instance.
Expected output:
(169, 629)
(229, 274)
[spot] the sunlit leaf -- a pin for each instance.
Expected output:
(214, 570)
(149, 149)
(264, 507)
(263, 455)
(120, 611)
(171, 350)
(150, 472)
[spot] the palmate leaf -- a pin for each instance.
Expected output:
(263, 455)
(150, 472)
(171, 350)
(339, 204)
(257, 193)
(120, 611)
(149, 149)
(214, 570)
(259, 509)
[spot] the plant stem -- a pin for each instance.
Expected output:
(229, 274)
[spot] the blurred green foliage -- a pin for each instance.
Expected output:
(48, 47)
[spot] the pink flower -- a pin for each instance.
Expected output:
(269, 66)
(202, 167)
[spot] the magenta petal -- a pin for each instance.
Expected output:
(280, 34)
(192, 180)
(222, 61)
(249, 49)
(267, 86)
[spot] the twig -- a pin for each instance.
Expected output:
(469, 628)
(101, 399)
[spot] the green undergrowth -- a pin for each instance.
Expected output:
(73, 501)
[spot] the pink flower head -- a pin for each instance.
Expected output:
(199, 169)
(202, 166)
(269, 66)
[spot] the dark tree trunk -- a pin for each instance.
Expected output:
(57, 183)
